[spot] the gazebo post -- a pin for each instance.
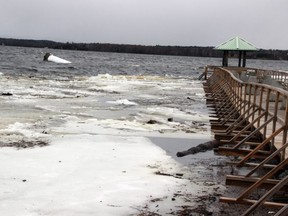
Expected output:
(239, 59)
(244, 59)
(225, 58)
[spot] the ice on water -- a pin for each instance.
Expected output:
(99, 160)
(95, 115)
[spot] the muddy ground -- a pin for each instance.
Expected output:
(212, 170)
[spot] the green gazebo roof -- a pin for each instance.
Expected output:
(236, 44)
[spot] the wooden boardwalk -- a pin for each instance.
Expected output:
(250, 119)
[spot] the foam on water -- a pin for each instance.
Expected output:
(81, 94)
(120, 103)
(123, 102)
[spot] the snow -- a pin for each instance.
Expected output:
(99, 160)
(82, 174)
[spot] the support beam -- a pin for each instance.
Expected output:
(265, 197)
(283, 211)
(251, 202)
(248, 181)
(240, 152)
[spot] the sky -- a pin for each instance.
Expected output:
(148, 22)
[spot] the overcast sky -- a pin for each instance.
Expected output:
(264, 23)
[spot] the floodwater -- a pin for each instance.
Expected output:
(121, 91)
(101, 121)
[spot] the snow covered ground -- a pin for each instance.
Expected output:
(98, 159)
(84, 174)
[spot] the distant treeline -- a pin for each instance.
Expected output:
(141, 49)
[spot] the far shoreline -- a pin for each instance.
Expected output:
(171, 50)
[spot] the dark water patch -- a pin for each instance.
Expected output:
(174, 145)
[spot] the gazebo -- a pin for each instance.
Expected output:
(236, 44)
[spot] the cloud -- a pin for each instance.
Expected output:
(148, 22)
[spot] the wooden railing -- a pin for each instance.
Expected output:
(259, 74)
(266, 107)
(252, 122)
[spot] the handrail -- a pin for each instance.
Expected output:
(263, 101)
(280, 76)
(259, 130)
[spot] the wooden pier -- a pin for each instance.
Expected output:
(249, 110)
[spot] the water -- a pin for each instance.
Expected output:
(101, 116)
(28, 61)
(121, 91)
(17, 61)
